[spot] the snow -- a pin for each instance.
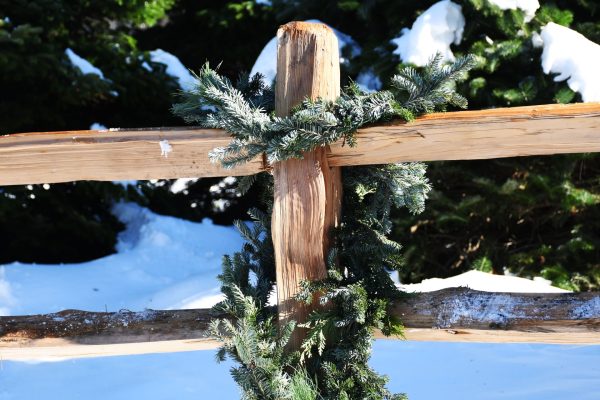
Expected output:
(182, 184)
(368, 81)
(82, 64)
(574, 58)
(484, 282)
(266, 63)
(161, 263)
(174, 68)
(589, 309)
(536, 40)
(457, 371)
(433, 32)
(166, 263)
(97, 127)
(165, 148)
(529, 7)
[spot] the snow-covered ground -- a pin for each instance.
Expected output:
(485, 282)
(164, 262)
(425, 371)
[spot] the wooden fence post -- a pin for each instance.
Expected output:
(307, 192)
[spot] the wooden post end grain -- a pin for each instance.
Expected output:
(307, 201)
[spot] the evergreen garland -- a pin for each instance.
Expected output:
(333, 360)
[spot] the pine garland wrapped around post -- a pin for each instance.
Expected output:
(332, 361)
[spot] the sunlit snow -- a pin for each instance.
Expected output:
(165, 148)
(96, 126)
(174, 68)
(433, 32)
(575, 59)
(266, 63)
(529, 7)
(368, 81)
(82, 64)
(161, 263)
(485, 282)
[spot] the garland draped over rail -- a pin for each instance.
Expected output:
(333, 360)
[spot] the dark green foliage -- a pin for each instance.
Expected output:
(41, 90)
(66, 223)
(198, 31)
(535, 216)
(333, 360)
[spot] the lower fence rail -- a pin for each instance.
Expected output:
(453, 315)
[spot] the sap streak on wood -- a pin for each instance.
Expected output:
(113, 155)
(307, 200)
(454, 315)
(468, 135)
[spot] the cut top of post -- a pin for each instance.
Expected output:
(305, 65)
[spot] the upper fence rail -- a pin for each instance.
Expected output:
(124, 154)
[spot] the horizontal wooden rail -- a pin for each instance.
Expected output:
(136, 154)
(458, 314)
(474, 135)
(115, 154)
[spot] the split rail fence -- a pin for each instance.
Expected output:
(307, 204)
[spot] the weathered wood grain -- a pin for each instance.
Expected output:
(470, 135)
(107, 155)
(307, 193)
(464, 135)
(453, 315)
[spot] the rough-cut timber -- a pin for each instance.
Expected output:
(471, 135)
(458, 314)
(461, 314)
(307, 194)
(108, 155)
(463, 135)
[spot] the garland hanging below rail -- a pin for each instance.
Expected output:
(332, 363)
